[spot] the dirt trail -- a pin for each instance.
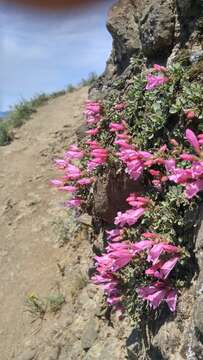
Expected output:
(28, 207)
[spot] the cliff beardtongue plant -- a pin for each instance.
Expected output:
(144, 260)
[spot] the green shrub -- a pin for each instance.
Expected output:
(4, 134)
(70, 88)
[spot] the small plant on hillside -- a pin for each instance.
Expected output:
(55, 302)
(70, 88)
(35, 306)
(38, 307)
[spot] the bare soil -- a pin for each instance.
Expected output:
(28, 208)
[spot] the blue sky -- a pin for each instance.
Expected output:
(46, 52)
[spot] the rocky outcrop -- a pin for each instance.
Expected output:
(154, 30)
(110, 195)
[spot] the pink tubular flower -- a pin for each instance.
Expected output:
(74, 153)
(130, 217)
(188, 157)
(162, 269)
(60, 163)
(73, 203)
(191, 178)
(190, 114)
(134, 160)
(118, 256)
(160, 248)
(57, 183)
(192, 139)
(142, 245)
(192, 189)
(114, 235)
(72, 172)
(116, 127)
(85, 181)
(98, 156)
(158, 292)
(92, 132)
(154, 81)
(159, 68)
(138, 201)
(93, 144)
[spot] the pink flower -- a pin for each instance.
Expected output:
(92, 143)
(192, 139)
(190, 114)
(180, 176)
(159, 68)
(73, 203)
(85, 181)
(114, 235)
(158, 292)
(74, 153)
(56, 182)
(142, 245)
(193, 188)
(188, 157)
(72, 172)
(154, 81)
(116, 127)
(130, 217)
(123, 136)
(99, 157)
(122, 143)
(92, 132)
(60, 163)
(138, 201)
(158, 249)
(134, 160)
(162, 269)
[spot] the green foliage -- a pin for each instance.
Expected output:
(55, 302)
(38, 306)
(5, 137)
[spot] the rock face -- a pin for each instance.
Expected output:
(182, 338)
(110, 195)
(152, 29)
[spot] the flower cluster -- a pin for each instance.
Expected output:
(154, 81)
(163, 166)
(192, 177)
(119, 254)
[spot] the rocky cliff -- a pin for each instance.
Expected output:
(155, 31)
(158, 31)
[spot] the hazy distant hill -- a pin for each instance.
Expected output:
(4, 114)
